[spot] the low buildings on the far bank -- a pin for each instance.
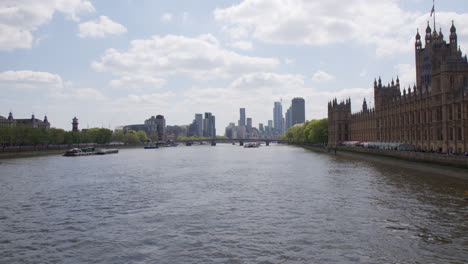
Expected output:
(33, 121)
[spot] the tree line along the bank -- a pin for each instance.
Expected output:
(24, 135)
(314, 131)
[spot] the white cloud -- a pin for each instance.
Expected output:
(166, 17)
(199, 58)
(266, 80)
(100, 28)
(314, 22)
(30, 80)
(406, 74)
(152, 98)
(14, 38)
(20, 18)
(52, 85)
(289, 61)
(137, 82)
(321, 76)
(242, 45)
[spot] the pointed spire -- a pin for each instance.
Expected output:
(441, 36)
(418, 37)
(428, 29)
(452, 28)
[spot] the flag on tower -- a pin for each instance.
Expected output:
(432, 10)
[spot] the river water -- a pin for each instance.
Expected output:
(227, 204)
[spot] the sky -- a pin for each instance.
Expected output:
(113, 63)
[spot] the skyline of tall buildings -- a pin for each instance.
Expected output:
(205, 125)
(275, 127)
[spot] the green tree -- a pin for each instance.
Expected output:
(56, 136)
(118, 136)
(142, 137)
(314, 131)
(131, 137)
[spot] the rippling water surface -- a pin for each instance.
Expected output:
(227, 204)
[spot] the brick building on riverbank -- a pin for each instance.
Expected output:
(432, 115)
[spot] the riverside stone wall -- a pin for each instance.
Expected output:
(459, 161)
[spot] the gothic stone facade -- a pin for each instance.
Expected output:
(432, 116)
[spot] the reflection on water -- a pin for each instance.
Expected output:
(227, 204)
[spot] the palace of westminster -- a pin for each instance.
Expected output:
(431, 116)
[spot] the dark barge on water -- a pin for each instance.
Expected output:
(89, 151)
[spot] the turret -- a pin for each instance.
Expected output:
(45, 119)
(75, 124)
(364, 105)
(441, 36)
(428, 34)
(453, 37)
(417, 43)
(10, 116)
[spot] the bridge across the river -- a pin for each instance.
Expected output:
(241, 142)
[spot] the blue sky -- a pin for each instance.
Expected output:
(113, 63)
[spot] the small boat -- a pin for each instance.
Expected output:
(151, 146)
(75, 152)
(252, 145)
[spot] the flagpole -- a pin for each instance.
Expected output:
(433, 7)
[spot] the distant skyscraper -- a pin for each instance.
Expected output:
(242, 117)
(260, 127)
(270, 123)
(209, 125)
(297, 111)
(161, 127)
(199, 123)
(249, 124)
(287, 116)
(278, 117)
